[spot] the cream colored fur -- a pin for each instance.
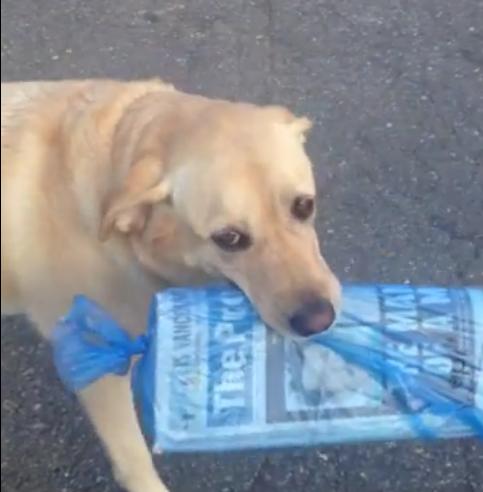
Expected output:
(114, 189)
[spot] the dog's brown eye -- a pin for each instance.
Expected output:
(303, 207)
(231, 239)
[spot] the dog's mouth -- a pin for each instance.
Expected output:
(312, 315)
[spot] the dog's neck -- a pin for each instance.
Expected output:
(98, 119)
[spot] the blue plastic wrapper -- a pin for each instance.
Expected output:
(400, 362)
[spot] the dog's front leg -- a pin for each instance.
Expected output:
(109, 404)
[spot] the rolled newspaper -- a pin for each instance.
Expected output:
(400, 362)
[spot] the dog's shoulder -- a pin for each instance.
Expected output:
(24, 101)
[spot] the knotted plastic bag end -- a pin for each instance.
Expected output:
(88, 344)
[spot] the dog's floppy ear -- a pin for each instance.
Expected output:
(127, 208)
(300, 125)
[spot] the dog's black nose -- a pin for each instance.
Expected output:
(313, 317)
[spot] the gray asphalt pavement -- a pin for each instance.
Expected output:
(396, 90)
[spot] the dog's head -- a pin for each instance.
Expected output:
(218, 189)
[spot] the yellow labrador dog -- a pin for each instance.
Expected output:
(117, 189)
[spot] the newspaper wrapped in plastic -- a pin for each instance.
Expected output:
(400, 362)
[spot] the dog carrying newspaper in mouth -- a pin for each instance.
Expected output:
(401, 362)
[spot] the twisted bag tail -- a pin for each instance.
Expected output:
(423, 384)
(88, 344)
